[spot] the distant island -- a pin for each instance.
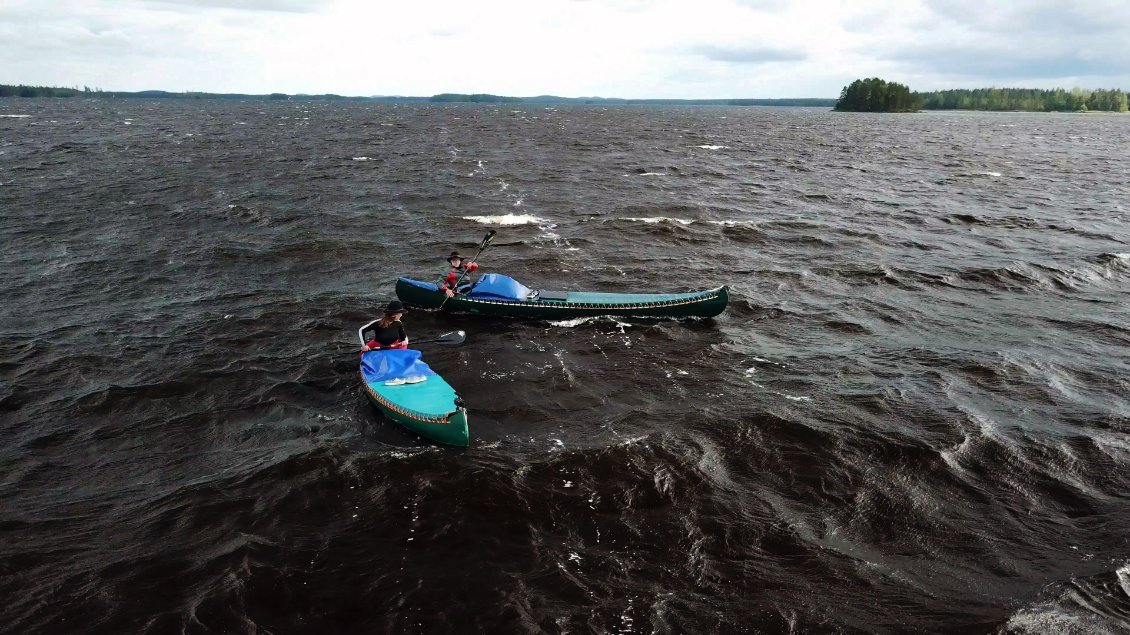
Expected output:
(8, 90)
(877, 95)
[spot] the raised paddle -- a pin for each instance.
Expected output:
(483, 245)
(454, 338)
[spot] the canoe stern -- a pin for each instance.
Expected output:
(423, 295)
(450, 428)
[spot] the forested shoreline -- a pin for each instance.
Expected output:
(878, 95)
(1027, 99)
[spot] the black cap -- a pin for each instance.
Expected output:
(396, 306)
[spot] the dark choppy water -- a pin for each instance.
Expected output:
(914, 416)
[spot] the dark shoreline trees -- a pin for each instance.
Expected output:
(877, 95)
(1027, 99)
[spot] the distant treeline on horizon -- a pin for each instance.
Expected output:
(8, 90)
(815, 102)
(870, 94)
(1028, 99)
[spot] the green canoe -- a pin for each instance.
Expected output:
(429, 407)
(499, 295)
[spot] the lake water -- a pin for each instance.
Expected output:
(913, 417)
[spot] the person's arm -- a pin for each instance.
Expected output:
(463, 283)
(449, 283)
(402, 338)
(371, 345)
(472, 267)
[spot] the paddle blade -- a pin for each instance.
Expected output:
(486, 239)
(454, 338)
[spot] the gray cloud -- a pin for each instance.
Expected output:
(1035, 17)
(1037, 42)
(284, 6)
(1005, 64)
(747, 55)
(763, 5)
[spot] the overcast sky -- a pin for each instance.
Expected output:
(610, 48)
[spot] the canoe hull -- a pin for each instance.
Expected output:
(701, 304)
(451, 428)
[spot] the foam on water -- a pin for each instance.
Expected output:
(575, 322)
(507, 219)
(652, 220)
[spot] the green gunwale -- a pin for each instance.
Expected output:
(450, 428)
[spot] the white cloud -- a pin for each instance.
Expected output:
(626, 48)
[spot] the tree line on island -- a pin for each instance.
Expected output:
(877, 95)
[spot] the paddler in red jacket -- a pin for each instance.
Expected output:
(458, 269)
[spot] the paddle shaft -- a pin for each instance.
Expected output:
(445, 338)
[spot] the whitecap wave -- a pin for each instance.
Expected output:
(16, 116)
(651, 220)
(506, 219)
(730, 223)
(593, 319)
(573, 323)
(1087, 606)
(708, 147)
(363, 159)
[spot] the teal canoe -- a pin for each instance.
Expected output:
(501, 296)
(426, 405)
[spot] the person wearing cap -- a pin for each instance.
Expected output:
(458, 269)
(388, 332)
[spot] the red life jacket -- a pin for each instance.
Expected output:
(452, 277)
